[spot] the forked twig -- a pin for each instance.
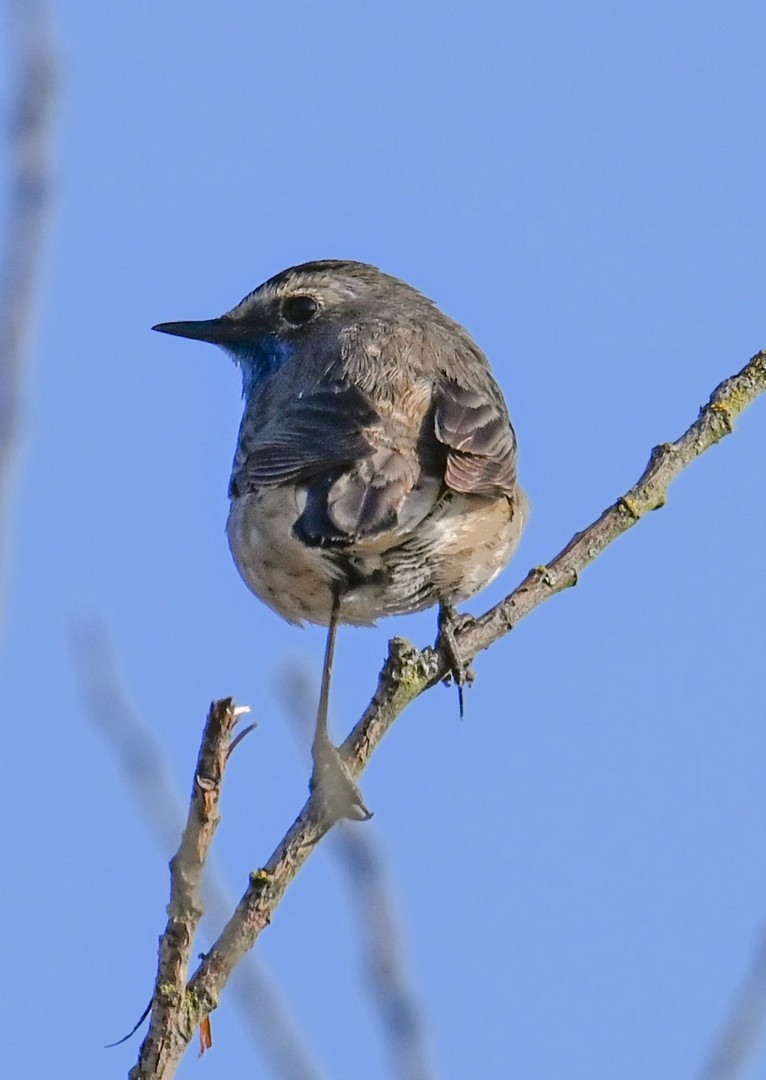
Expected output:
(267, 1022)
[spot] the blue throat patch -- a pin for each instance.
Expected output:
(259, 359)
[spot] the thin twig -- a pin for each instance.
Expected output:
(242, 735)
(409, 671)
(266, 1021)
(30, 153)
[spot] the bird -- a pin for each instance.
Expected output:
(375, 470)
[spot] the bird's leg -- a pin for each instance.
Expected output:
(450, 620)
(331, 779)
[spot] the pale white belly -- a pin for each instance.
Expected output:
(293, 579)
(451, 554)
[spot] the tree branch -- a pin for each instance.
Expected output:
(169, 1031)
(267, 1022)
(715, 421)
(408, 672)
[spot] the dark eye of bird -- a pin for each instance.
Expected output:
(299, 309)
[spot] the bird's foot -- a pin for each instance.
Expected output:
(332, 781)
(451, 620)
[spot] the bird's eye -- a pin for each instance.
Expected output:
(299, 309)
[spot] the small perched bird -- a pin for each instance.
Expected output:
(375, 472)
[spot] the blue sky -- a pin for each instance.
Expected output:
(578, 864)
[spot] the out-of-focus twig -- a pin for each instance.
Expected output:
(135, 748)
(378, 928)
(739, 1035)
(400, 1015)
(29, 198)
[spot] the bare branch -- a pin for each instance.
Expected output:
(409, 671)
(715, 421)
(30, 134)
(169, 1033)
(266, 1020)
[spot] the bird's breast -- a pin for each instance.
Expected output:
(291, 577)
(449, 554)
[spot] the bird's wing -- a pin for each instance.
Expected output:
(473, 425)
(312, 435)
(358, 484)
(331, 442)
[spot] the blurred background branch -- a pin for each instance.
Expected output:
(30, 142)
(736, 1042)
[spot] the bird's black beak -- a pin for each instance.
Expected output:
(222, 331)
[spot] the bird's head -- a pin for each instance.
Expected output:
(303, 307)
